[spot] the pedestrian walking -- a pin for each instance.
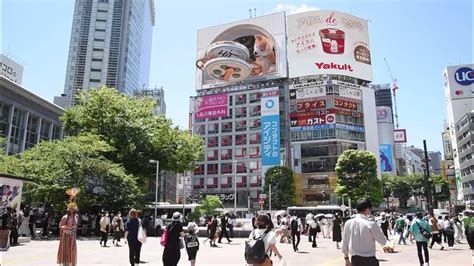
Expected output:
(67, 251)
(23, 221)
(32, 223)
(264, 233)
(312, 226)
(449, 231)
(231, 223)
(131, 237)
(158, 226)
(384, 224)
(14, 228)
(192, 242)
(360, 235)
(337, 230)
(45, 224)
(118, 228)
(104, 224)
(400, 229)
(296, 228)
(213, 228)
(409, 222)
(435, 228)
(442, 233)
(5, 229)
(224, 232)
(458, 234)
(468, 222)
(419, 228)
(307, 220)
(85, 223)
(172, 253)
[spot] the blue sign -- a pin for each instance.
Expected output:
(464, 76)
(270, 140)
(329, 126)
(386, 157)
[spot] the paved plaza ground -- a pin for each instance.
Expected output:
(90, 253)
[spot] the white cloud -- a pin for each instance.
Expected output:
(293, 9)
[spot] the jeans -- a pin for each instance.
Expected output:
(294, 236)
(364, 261)
(450, 240)
(103, 237)
(419, 246)
(134, 248)
(402, 236)
(436, 238)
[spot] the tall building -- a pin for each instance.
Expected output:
(110, 45)
(435, 162)
(271, 95)
(448, 164)
(459, 96)
(25, 118)
(157, 94)
(11, 69)
(465, 138)
(383, 95)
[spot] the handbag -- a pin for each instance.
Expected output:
(424, 232)
(164, 238)
(141, 233)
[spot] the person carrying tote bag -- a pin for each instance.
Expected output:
(172, 251)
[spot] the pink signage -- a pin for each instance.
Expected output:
(211, 106)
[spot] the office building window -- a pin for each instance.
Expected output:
(31, 131)
(4, 115)
(241, 139)
(16, 138)
(44, 132)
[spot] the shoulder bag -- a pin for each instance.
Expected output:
(424, 232)
(141, 233)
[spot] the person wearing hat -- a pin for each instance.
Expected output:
(360, 235)
(192, 242)
(172, 253)
(67, 251)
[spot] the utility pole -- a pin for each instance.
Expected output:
(428, 181)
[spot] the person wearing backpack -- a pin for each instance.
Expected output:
(421, 231)
(296, 228)
(261, 243)
(449, 231)
(192, 242)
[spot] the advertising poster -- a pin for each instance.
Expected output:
(400, 135)
(307, 92)
(10, 69)
(211, 106)
(249, 50)
(328, 42)
(384, 114)
(270, 128)
(10, 193)
(386, 157)
(459, 81)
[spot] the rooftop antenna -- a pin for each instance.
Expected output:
(394, 91)
(250, 12)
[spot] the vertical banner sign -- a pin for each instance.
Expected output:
(10, 194)
(270, 128)
(386, 155)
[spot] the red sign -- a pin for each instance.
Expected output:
(261, 202)
(310, 105)
(312, 121)
(338, 103)
(311, 113)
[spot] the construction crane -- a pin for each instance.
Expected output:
(394, 91)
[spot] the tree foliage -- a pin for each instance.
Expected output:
(136, 135)
(74, 162)
(283, 186)
(356, 172)
(208, 207)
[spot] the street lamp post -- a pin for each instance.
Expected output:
(156, 184)
(234, 162)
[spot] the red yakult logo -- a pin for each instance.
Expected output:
(331, 65)
(331, 20)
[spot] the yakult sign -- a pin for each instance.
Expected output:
(328, 42)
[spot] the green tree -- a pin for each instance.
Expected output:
(73, 162)
(283, 186)
(208, 207)
(444, 195)
(402, 187)
(356, 172)
(128, 125)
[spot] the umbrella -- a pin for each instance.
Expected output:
(230, 214)
(319, 215)
(329, 215)
(280, 213)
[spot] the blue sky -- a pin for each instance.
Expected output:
(419, 38)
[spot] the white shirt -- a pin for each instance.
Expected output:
(360, 235)
(159, 222)
(269, 238)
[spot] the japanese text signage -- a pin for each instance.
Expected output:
(328, 42)
(211, 106)
(400, 135)
(338, 103)
(270, 127)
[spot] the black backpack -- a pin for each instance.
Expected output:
(294, 225)
(255, 252)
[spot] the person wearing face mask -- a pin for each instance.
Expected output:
(67, 251)
(359, 237)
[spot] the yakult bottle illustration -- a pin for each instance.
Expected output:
(332, 40)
